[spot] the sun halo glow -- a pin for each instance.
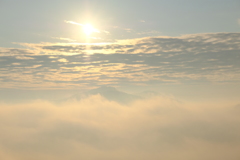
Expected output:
(88, 29)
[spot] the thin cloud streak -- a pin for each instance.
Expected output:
(85, 27)
(64, 39)
(71, 22)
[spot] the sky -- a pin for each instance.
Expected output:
(129, 79)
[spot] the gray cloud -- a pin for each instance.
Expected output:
(195, 43)
(185, 59)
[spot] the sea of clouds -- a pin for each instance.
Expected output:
(98, 129)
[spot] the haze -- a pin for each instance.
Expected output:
(122, 80)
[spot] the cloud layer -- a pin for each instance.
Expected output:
(187, 59)
(96, 128)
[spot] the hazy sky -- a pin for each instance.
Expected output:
(40, 21)
(43, 43)
(185, 53)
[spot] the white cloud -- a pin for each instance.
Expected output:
(63, 60)
(95, 128)
(71, 22)
(87, 28)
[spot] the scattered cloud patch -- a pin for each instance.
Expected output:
(63, 60)
(196, 43)
(190, 58)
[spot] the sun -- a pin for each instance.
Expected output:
(88, 29)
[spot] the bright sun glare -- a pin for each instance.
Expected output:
(89, 29)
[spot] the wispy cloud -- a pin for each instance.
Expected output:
(150, 33)
(88, 28)
(71, 22)
(64, 39)
(128, 29)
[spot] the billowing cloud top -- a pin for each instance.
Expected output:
(212, 57)
(95, 128)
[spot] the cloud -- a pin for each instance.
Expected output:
(198, 58)
(64, 39)
(195, 43)
(96, 128)
(149, 33)
(88, 28)
(17, 52)
(71, 22)
(128, 29)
